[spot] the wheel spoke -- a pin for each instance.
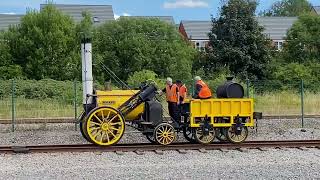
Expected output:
(113, 128)
(113, 118)
(94, 128)
(119, 123)
(98, 118)
(114, 135)
(108, 139)
(95, 123)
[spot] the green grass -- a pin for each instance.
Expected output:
(34, 108)
(287, 103)
(281, 103)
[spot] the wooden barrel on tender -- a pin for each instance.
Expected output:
(230, 89)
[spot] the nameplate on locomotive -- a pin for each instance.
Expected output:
(108, 102)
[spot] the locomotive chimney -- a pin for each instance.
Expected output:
(87, 79)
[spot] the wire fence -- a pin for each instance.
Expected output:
(20, 100)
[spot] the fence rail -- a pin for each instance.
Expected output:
(24, 100)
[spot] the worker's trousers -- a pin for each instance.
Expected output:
(174, 111)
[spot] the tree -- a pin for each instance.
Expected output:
(139, 77)
(128, 45)
(44, 45)
(288, 8)
(237, 42)
(8, 70)
(303, 40)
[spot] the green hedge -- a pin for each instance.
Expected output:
(43, 89)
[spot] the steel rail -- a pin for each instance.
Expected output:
(71, 119)
(151, 147)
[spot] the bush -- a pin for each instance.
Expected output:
(138, 77)
(43, 89)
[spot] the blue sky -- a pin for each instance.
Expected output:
(179, 9)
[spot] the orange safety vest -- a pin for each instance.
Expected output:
(172, 93)
(183, 92)
(205, 92)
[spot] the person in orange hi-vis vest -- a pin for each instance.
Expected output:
(182, 91)
(172, 94)
(202, 90)
(182, 97)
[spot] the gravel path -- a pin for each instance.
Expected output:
(254, 164)
(66, 134)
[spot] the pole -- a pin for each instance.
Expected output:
(75, 104)
(12, 105)
(302, 103)
(247, 82)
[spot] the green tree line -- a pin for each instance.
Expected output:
(46, 45)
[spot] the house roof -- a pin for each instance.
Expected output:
(275, 27)
(197, 29)
(317, 9)
(101, 13)
(168, 19)
(7, 19)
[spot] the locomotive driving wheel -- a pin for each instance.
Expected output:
(237, 134)
(164, 134)
(204, 136)
(104, 126)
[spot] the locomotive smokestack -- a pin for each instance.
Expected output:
(87, 79)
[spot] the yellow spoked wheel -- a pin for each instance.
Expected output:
(104, 126)
(237, 134)
(164, 134)
(204, 137)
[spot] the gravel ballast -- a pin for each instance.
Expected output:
(254, 164)
(285, 129)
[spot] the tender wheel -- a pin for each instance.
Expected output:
(221, 134)
(203, 137)
(104, 125)
(150, 138)
(164, 134)
(188, 134)
(237, 135)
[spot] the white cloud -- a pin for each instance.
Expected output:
(126, 14)
(9, 13)
(117, 16)
(185, 4)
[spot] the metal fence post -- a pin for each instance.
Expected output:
(13, 105)
(248, 91)
(302, 103)
(75, 104)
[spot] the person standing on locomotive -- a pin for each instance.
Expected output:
(202, 90)
(182, 91)
(172, 94)
(182, 97)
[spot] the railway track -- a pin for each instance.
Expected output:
(71, 119)
(140, 148)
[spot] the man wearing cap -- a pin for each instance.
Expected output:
(172, 94)
(202, 90)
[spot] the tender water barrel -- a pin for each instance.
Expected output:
(230, 89)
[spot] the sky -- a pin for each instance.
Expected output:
(179, 9)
